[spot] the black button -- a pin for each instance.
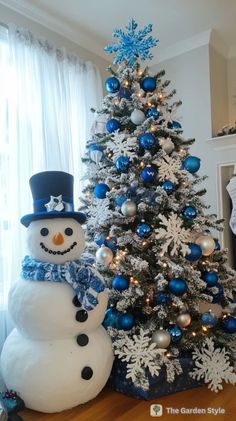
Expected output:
(76, 302)
(81, 316)
(82, 340)
(86, 373)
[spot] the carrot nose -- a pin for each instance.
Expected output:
(58, 239)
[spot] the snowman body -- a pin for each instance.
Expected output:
(59, 355)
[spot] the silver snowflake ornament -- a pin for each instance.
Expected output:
(131, 44)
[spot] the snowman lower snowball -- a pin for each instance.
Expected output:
(59, 355)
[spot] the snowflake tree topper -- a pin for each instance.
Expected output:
(131, 44)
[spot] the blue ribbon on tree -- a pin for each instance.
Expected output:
(77, 273)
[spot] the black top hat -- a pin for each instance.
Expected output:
(52, 193)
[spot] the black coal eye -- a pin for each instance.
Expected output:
(44, 231)
(68, 231)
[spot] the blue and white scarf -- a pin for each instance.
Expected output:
(77, 273)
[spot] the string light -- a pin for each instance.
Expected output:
(160, 96)
(142, 164)
(194, 334)
(164, 265)
(140, 72)
(204, 328)
(153, 128)
(126, 83)
(168, 354)
(110, 155)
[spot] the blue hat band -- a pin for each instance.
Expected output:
(54, 204)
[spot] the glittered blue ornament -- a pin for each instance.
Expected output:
(175, 125)
(112, 85)
(191, 164)
(95, 153)
(122, 163)
(218, 296)
(101, 190)
(147, 141)
(217, 245)
(153, 112)
(100, 240)
(177, 286)
(148, 84)
(189, 212)
(211, 278)
(168, 186)
(125, 93)
(120, 283)
(111, 242)
(131, 44)
(229, 324)
(111, 318)
(195, 252)
(209, 319)
(112, 125)
(148, 174)
(144, 230)
(161, 298)
(119, 200)
(175, 333)
(125, 321)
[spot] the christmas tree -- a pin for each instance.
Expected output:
(149, 228)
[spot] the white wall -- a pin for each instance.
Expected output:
(10, 16)
(231, 68)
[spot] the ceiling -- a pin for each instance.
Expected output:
(91, 22)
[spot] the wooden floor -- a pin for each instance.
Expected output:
(113, 406)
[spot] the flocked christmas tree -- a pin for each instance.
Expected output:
(148, 225)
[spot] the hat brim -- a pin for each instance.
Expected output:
(27, 219)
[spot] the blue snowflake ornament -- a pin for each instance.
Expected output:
(132, 44)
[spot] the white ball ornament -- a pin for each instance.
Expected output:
(104, 256)
(167, 145)
(207, 244)
(161, 338)
(184, 320)
(137, 117)
(129, 208)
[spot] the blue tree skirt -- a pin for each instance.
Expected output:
(158, 384)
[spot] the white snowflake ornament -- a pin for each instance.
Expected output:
(173, 233)
(120, 144)
(169, 169)
(213, 366)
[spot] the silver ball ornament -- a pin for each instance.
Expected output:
(207, 244)
(161, 338)
(137, 117)
(129, 208)
(104, 256)
(183, 320)
(167, 145)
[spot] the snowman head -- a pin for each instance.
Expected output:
(55, 240)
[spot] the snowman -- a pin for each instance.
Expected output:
(59, 355)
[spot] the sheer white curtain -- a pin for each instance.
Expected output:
(45, 100)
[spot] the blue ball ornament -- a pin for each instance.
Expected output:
(195, 252)
(211, 278)
(144, 230)
(217, 245)
(218, 296)
(177, 286)
(147, 141)
(125, 93)
(122, 163)
(209, 319)
(111, 318)
(148, 174)
(119, 200)
(161, 298)
(229, 324)
(100, 190)
(112, 85)
(153, 112)
(189, 212)
(148, 84)
(120, 283)
(112, 125)
(191, 164)
(175, 333)
(125, 321)
(168, 186)
(175, 125)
